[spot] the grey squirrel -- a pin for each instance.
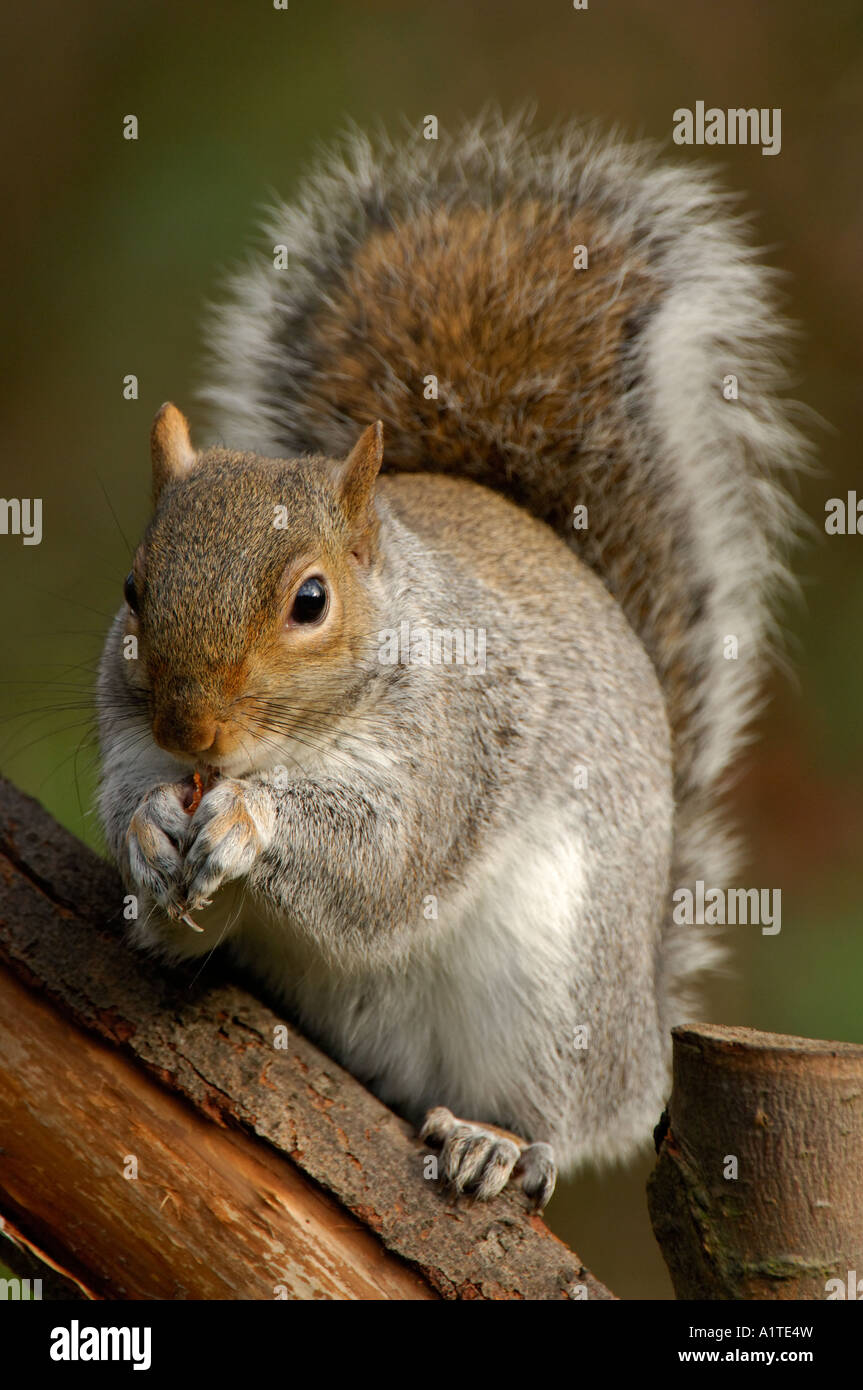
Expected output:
(484, 400)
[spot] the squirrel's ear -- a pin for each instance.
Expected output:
(356, 480)
(171, 449)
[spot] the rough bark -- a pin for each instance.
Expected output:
(790, 1112)
(164, 1204)
(209, 1044)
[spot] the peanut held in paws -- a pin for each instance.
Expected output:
(193, 794)
(192, 797)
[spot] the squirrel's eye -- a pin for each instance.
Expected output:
(310, 603)
(130, 593)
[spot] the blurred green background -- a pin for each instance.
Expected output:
(112, 247)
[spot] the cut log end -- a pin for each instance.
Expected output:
(758, 1188)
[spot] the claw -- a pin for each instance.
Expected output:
(481, 1159)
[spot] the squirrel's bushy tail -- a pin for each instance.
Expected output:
(435, 285)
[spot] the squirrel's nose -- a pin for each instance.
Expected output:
(185, 736)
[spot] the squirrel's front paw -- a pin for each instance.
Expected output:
(481, 1159)
(153, 846)
(233, 825)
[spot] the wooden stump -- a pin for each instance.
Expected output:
(758, 1188)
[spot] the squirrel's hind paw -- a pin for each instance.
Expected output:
(537, 1172)
(481, 1159)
